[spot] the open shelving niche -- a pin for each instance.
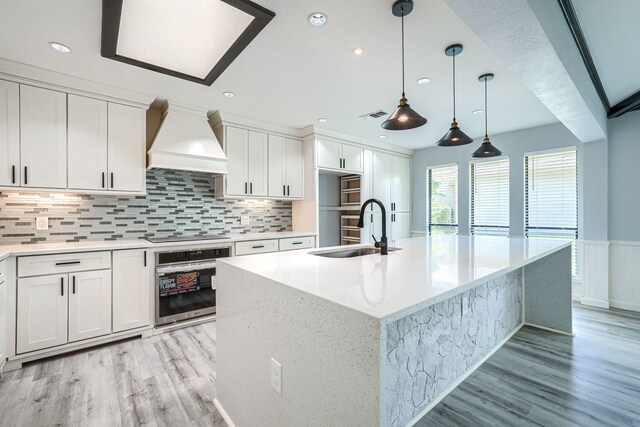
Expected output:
(342, 200)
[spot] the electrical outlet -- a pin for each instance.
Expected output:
(42, 223)
(276, 375)
(245, 220)
(465, 305)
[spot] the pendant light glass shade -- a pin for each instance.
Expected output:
(454, 137)
(486, 148)
(404, 117)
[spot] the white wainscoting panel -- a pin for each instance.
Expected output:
(624, 275)
(595, 273)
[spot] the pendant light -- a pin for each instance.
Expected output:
(404, 117)
(454, 137)
(486, 148)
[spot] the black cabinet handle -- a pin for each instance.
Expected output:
(288, 192)
(284, 192)
(145, 258)
(257, 247)
(111, 179)
(296, 243)
(13, 174)
(74, 283)
(245, 188)
(62, 286)
(25, 176)
(102, 179)
(67, 263)
(251, 188)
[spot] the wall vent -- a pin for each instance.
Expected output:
(374, 115)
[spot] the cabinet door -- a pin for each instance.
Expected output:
(376, 228)
(237, 146)
(401, 226)
(131, 289)
(3, 322)
(401, 196)
(352, 156)
(329, 154)
(277, 166)
(89, 304)
(382, 173)
(87, 143)
(42, 312)
(257, 166)
(9, 134)
(126, 148)
(43, 137)
(294, 168)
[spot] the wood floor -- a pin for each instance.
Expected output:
(537, 378)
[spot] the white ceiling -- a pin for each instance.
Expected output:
(609, 28)
(292, 73)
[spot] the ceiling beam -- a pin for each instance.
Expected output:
(632, 103)
(533, 40)
(581, 42)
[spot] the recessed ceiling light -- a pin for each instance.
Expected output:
(323, 120)
(229, 94)
(358, 51)
(317, 19)
(423, 80)
(382, 136)
(478, 111)
(60, 47)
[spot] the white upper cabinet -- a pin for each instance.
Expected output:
(336, 155)
(9, 134)
(43, 137)
(87, 143)
(126, 148)
(131, 290)
(392, 181)
(285, 167)
(247, 162)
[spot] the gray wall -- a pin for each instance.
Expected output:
(624, 177)
(592, 177)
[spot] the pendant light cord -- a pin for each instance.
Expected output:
(454, 85)
(402, 9)
(486, 135)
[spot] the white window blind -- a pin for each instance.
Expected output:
(551, 197)
(442, 189)
(490, 197)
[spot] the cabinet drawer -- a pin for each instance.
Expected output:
(256, 247)
(40, 265)
(3, 272)
(296, 243)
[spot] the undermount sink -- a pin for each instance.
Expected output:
(351, 253)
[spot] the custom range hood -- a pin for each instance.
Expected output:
(185, 141)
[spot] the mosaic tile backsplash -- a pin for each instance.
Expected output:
(177, 203)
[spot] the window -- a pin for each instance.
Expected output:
(442, 189)
(551, 197)
(490, 198)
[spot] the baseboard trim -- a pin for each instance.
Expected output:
(416, 233)
(224, 414)
(624, 305)
(576, 297)
(594, 302)
(466, 375)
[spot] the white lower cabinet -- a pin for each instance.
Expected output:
(398, 226)
(3, 315)
(89, 304)
(131, 292)
(42, 312)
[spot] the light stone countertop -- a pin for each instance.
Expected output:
(108, 245)
(425, 271)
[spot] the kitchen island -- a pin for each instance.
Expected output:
(376, 340)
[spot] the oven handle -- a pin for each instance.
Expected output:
(186, 267)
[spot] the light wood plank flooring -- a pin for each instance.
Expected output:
(537, 378)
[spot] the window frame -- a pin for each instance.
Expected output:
(471, 189)
(428, 196)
